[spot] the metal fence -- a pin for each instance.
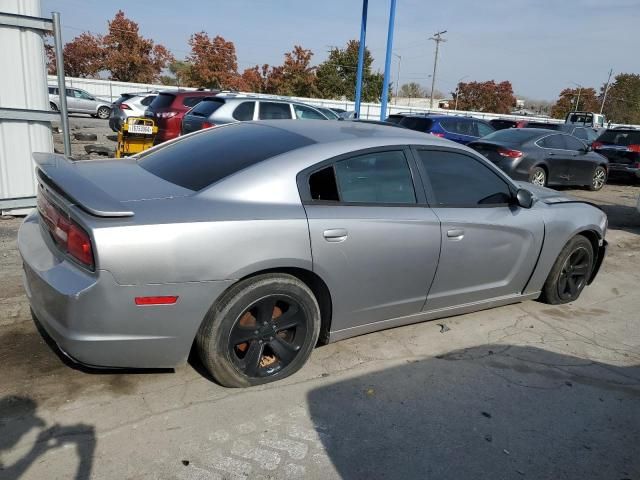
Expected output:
(111, 89)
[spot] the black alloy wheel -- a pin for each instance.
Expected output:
(574, 274)
(267, 336)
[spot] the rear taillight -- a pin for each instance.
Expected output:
(437, 134)
(166, 114)
(67, 234)
(507, 152)
(208, 125)
(596, 145)
(124, 106)
(634, 148)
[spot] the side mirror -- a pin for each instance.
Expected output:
(587, 149)
(524, 198)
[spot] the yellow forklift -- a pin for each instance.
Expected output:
(136, 135)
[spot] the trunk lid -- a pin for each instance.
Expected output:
(104, 188)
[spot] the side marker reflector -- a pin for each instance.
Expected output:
(164, 300)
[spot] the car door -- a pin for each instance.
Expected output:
(489, 244)
(73, 102)
(580, 165)
(373, 239)
(556, 158)
(85, 102)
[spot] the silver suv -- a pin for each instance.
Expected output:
(79, 101)
(228, 108)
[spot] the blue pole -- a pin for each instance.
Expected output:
(363, 34)
(387, 62)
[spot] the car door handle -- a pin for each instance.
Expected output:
(335, 235)
(455, 234)
(552, 154)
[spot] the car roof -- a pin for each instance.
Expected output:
(322, 132)
(198, 93)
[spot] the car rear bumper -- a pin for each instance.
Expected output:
(623, 169)
(95, 321)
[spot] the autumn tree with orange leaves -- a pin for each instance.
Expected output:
(486, 96)
(213, 62)
(129, 56)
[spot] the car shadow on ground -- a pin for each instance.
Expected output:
(486, 412)
(18, 418)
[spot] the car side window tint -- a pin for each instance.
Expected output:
(306, 113)
(449, 125)
(484, 129)
(146, 101)
(274, 111)
(322, 185)
(459, 180)
(572, 143)
(381, 177)
(552, 141)
(244, 111)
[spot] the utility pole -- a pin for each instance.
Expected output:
(580, 87)
(397, 76)
(606, 90)
(437, 37)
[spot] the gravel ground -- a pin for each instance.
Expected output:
(522, 391)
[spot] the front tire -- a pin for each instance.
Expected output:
(103, 113)
(538, 176)
(261, 330)
(599, 178)
(570, 272)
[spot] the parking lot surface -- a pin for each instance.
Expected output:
(523, 391)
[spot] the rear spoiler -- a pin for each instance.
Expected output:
(59, 174)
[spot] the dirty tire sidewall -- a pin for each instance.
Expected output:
(550, 288)
(103, 113)
(212, 338)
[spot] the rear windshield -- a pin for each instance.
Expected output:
(163, 100)
(191, 101)
(512, 135)
(199, 160)
(206, 107)
(416, 123)
(123, 97)
(620, 137)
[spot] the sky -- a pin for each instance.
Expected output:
(541, 46)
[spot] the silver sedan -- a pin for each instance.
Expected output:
(260, 239)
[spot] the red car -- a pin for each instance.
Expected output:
(168, 108)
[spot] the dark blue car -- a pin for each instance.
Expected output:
(459, 129)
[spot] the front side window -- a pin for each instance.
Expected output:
(244, 111)
(572, 143)
(552, 141)
(379, 178)
(484, 129)
(274, 111)
(458, 180)
(306, 113)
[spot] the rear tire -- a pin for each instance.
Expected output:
(538, 176)
(570, 272)
(599, 178)
(103, 113)
(243, 340)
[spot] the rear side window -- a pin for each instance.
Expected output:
(483, 129)
(379, 178)
(163, 100)
(191, 101)
(552, 141)
(458, 180)
(207, 107)
(244, 111)
(460, 126)
(416, 123)
(199, 160)
(53, 91)
(274, 111)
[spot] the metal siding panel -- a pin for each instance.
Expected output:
(22, 85)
